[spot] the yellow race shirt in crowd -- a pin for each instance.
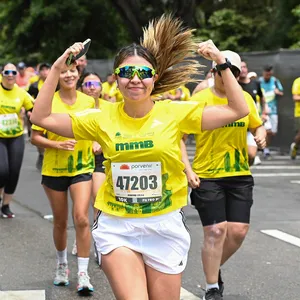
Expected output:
(112, 91)
(296, 91)
(223, 152)
(64, 162)
(11, 102)
(145, 174)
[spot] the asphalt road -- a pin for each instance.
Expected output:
(266, 267)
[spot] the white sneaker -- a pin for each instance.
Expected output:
(293, 151)
(84, 286)
(257, 161)
(74, 248)
(61, 275)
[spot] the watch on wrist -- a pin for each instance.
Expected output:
(224, 66)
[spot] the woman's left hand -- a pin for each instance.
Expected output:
(260, 141)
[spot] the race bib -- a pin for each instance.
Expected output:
(138, 182)
(269, 96)
(8, 122)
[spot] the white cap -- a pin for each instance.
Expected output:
(251, 75)
(233, 57)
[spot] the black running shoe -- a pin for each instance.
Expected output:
(221, 283)
(6, 212)
(213, 294)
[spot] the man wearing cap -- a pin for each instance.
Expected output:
(272, 88)
(253, 88)
(34, 88)
(22, 79)
(223, 198)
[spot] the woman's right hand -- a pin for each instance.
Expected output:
(209, 51)
(66, 145)
(75, 49)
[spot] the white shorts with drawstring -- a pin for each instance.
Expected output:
(163, 241)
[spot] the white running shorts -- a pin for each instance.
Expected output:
(163, 241)
(250, 140)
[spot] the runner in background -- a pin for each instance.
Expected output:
(224, 197)
(81, 65)
(146, 187)
(110, 91)
(34, 88)
(253, 88)
(296, 97)
(206, 83)
(12, 99)
(90, 84)
(68, 166)
(272, 90)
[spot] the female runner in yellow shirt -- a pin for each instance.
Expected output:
(146, 187)
(68, 165)
(12, 100)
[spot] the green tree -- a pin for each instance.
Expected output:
(295, 30)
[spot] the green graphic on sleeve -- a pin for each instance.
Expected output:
(70, 163)
(79, 165)
(237, 165)
(227, 162)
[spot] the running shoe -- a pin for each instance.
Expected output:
(257, 161)
(74, 248)
(293, 151)
(61, 275)
(6, 212)
(84, 287)
(213, 294)
(221, 283)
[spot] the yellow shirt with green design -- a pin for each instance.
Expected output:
(64, 162)
(11, 102)
(223, 152)
(145, 174)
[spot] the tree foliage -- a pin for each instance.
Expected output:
(39, 30)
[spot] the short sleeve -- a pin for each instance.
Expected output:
(38, 128)
(296, 87)
(254, 119)
(279, 85)
(85, 124)
(28, 101)
(188, 115)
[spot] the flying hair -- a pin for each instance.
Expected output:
(174, 49)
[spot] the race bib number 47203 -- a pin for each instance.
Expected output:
(138, 182)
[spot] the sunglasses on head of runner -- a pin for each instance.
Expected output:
(9, 72)
(235, 71)
(89, 84)
(142, 72)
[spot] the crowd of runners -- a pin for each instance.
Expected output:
(120, 145)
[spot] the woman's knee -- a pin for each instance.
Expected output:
(216, 232)
(81, 220)
(60, 224)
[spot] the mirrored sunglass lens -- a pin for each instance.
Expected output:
(10, 72)
(89, 84)
(145, 72)
(126, 72)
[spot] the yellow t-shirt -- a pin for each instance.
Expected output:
(186, 94)
(11, 102)
(296, 91)
(63, 162)
(33, 79)
(144, 172)
(223, 152)
(112, 91)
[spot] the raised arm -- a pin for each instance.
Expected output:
(41, 115)
(237, 108)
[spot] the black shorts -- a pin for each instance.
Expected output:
(99, 167)
(224, 199)
(62, 184)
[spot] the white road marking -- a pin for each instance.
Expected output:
(23, 295)
(275, 167)
(185, 295)
(295, 181)
(288, 238)
(275, 174)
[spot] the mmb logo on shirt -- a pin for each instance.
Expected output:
(134, 145)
